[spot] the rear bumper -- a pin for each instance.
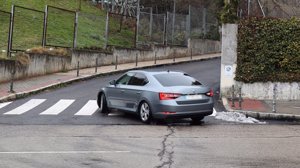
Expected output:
(161, 115)
(187, 111)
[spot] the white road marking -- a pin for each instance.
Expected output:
(57, 108)
(4, 104)
(296, 107)
(25, 107)
(88, 109)
(63, 152)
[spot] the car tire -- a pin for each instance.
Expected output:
(145, 112)
(102, 103)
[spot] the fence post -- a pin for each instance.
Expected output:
(155, 58)
(106, 29)
(45, 26)
(96, 68)
(274, 98)
(11, 29)
(164, 32)
(11, 88)
(240, 98)
(116, 63)
(191, 53)
(174, 55)
(204, 21)
(77, 68)
(75, 30)
(249, 4)
(151, 23)
(136, 60)
(188, 24)
(166, 28)
(173, 21)
(232, 97)
(137, 22)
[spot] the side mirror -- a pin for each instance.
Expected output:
(113, 82)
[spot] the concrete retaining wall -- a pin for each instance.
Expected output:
(285, 91)
(201, 46)
(45, 64)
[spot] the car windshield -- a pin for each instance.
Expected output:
(176, 79)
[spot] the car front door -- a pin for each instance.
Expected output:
(133, 91)
(116, 92)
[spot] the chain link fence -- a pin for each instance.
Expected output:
(158, 28)
(4, 29)
(176, 29)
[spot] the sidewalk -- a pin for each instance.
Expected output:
(263, 109)
(34, 85)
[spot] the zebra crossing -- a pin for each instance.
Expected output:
(88, 109)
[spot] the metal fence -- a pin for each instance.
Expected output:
(176, 29)
(204, 24)
(26, 19)
(60, 27)
(151, 27)
(176, 26)
(269, 8)
(5, 21)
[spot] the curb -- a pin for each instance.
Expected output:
(15, 96)
(262, 115)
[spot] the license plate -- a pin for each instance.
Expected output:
(193, 97)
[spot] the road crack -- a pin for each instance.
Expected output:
(166, 153)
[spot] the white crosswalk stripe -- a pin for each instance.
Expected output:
(4, 104)
(88, 109)
(25, 107)
(59, 107)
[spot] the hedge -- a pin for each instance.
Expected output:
(268, 50)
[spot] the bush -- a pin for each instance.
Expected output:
(268, 50)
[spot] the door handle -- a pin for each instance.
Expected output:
(122, 91)
(138, 93)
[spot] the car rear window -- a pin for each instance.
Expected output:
(176, 79)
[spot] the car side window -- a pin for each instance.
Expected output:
(123, 80)
(138, 80)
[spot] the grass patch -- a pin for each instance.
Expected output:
(28, 28)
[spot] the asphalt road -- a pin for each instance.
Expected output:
(150, 146)
(32, 140)
(79, 94)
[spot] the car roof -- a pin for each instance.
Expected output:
(155, 72)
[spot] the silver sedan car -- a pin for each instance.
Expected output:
(157, 95)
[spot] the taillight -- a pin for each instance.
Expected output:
(210, 93)
(168, 96)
